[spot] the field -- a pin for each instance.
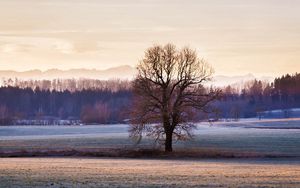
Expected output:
(269, 137)
(90, 172)
(248, 153)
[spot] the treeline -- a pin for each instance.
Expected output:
(257, 96)
(68, 84)
(107, 103)
(95, 101)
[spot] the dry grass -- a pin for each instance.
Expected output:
(84, 172)
(143, 153)
(239, 157)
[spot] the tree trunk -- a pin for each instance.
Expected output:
(168, 143)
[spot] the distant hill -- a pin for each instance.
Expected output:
(121, 72)
(220, 80)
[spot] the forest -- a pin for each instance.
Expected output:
(256, 96)
(96, 101)
(102, 102)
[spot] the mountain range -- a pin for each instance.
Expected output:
(120, 72)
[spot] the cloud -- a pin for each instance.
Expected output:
(64, 47)
(12, 44)
(9, 48)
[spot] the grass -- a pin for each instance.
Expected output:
(91, 172)
(228, 139)
(145, 153)
(241, 154)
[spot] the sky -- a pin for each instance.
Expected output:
(236, 37)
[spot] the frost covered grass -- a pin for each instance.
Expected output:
(256, 138)
(91, 172)
(226, 154)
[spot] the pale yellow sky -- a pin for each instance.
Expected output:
(235, 36)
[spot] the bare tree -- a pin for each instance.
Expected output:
(168, 92)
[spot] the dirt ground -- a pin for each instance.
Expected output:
(97, 172)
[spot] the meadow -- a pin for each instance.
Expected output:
(104, 172)
(247, 137)
(248, 153)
